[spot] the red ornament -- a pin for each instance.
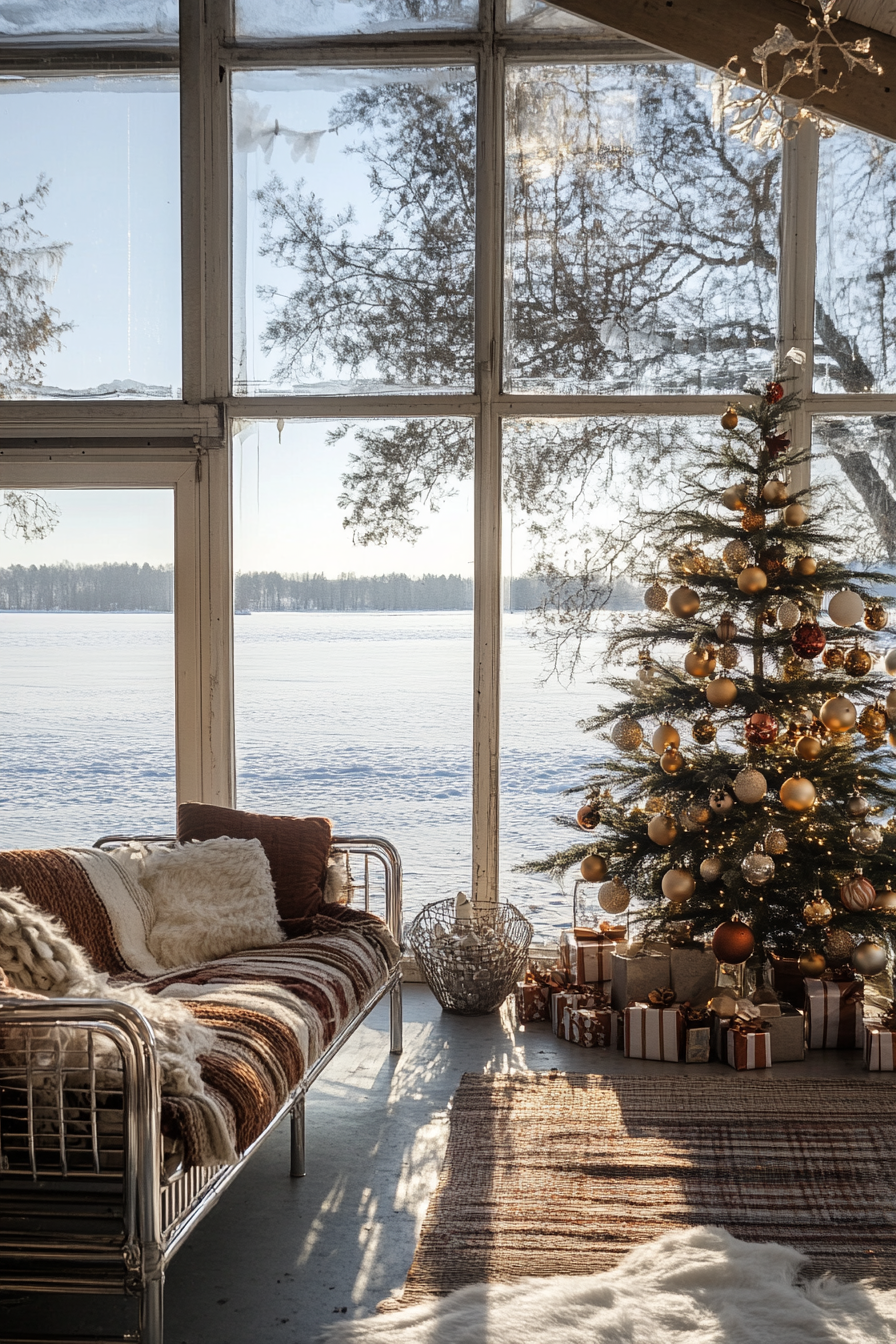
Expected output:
(761, 729)
(808, 639)
(776, 445)
(773, 392)
(732, 942)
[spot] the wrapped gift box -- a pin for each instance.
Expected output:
(587, 959)
(532, 1002)
(637, 972)
(835, 1013)
(581, 997)
(696, 1045)
(880, 1048)
(693, 974)
(654, 1033)
(747, 1049)
(589, 1026)
(787, 1028)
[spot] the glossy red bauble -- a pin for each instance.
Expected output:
(761, 729)
(773, 392)
(732, 942)
(808, 640)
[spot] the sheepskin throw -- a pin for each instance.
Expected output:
(208, 898)
(698, 1286)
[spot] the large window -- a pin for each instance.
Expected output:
(486, 265)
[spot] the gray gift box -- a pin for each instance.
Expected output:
(788, 1033)
(635, 974)
(693, 972)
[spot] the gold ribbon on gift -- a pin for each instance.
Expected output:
(748, 1026)
(555, 981)
(661, 998)
(695, 1017)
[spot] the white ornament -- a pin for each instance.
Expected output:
(846, 608)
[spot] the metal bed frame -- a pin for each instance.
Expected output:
(87, 1202)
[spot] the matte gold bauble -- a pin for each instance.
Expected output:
(794, 515)
(833, 656)
(750, 786)
(872, 721)
(733, 942)
(672, 761)
(678, 884)
(838, 946)
(890, 662)
(753, 519)
(808, 749)
(812, 964)
(869, 958)
(774, 492)
(684, 602)
(729, 656)
(805, 566)
(886, 898)
(613, 896)
(700, 662)
(656, 597)
(788, 615)
(876, 617)
(662, 829)
(775, 842)
(846, 608)
(736, 554)
(711, 868)
(857, 893)
(735, 497)
(838, 714)
(729, 419)
(752, 579)
(594, 868)
(857, 662)
(818, 910)
(627, 734)
(703, 731)
(726, 628)
(664, 736)
(797, 794)
(588, 817)
(721, 692)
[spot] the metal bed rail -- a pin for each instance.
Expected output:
(87, 1202)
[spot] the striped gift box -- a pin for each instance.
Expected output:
(748, 1049)
(654, 1033)
(879, 1049)
(836, 1014)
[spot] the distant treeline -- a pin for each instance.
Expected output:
(112, 587)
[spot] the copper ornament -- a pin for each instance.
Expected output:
(761, 729)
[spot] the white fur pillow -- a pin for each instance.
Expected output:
(210, 897)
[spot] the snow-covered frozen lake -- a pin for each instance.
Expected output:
(365, 717)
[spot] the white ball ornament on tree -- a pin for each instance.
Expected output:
(758, 868)
(613, 896)
(721, 801)
(627, 734)
(774, 492)
(846, 608)
(750, 786)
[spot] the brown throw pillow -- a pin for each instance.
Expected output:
(297, 850)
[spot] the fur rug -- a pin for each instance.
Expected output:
(698, 1286)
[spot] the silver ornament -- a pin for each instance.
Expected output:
(656, 597)
(627, 734)
(788, 615)
(869, 958)
(856, 806)
(775, 842)
(758, 868)
(750, 786)
(711, 868)
(866, 839)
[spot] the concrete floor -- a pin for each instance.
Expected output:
(278, 1259)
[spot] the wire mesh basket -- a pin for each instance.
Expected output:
(470, 975)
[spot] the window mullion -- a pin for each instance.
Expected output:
(796, 294)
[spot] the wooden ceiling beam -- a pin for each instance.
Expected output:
(710, 31)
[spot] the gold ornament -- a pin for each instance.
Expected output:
(684, 603)
(729, 656)
(833, 656)
(672, 761)
(678, 884)
(594, 868)
(857, 662)
(812, 964)
(703, 731)
(752, 579)
(627, 734)
(774, 492)
(793, 667)
(808, 748)
(873, 721)
(753, 520)
(775, 842)
(876, 617)
(726, 630)
(662, 829)
(700, 662)
(788, 615)
(838, 946)
(656, 597)
(869, 958)
(664, 736)
(736, 554)
(818, 910)
(613, 897)
(757, 868)
(794, 515)
(750, 786)
(729, 419)
(797, 794)
(890, 662)
(886, 898)
(721, 692)
(804, 566)
(711, 868)
(838, 714)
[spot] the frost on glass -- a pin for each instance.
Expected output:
(318, 18)
(854, 470)
(90, 237)
(855, 288)
(353, 230)
(69, 22)
(642, 248)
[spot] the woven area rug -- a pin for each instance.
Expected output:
(564, 1173)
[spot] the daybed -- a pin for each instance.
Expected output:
(110, 1151)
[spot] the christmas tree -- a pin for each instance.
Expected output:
(750, 778)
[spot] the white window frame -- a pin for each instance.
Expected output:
(120, 431)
